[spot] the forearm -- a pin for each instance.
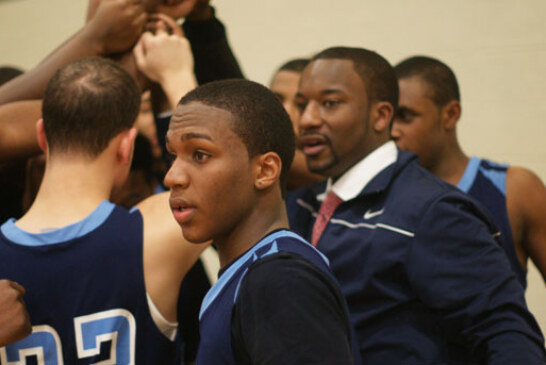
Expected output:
(214, 59)
(31, 85)
(460, 271)
(17, 129)
(177, 85)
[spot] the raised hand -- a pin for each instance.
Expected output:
(117, 24)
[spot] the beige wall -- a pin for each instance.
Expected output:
(497, 48)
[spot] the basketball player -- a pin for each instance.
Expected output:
(276, 301)
(426, 125)
(102, 282)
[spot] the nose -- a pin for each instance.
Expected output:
(396, 131)
(310, 117)
(177, 176)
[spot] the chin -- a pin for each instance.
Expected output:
(194, 237)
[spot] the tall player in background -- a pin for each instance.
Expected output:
(426, 124)
(101, 282)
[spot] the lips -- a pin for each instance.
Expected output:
(182, 210)
(313, 144)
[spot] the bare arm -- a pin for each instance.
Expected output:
(167, 255)
(114, 28)
(526, 202)
(167, 60)
(14, 319)
(17, 129)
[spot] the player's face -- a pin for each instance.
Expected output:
(334, 118)
(210, 178)
(285, 87)
(417, 124)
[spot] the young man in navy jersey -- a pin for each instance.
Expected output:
(276, 301)
(426, 124)
(425, 281)
(101, 282)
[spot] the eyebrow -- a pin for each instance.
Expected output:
(323, 92)
(332, 91)
(191, 135)
(187, 136)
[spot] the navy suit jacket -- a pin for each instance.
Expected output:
(424, 278)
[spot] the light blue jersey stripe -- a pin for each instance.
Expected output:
(469, 174)
(232, 270)
(75, 230)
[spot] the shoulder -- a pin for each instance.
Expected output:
(522, 178)
(415, 193)
(285, 277)
(284, 265)
(525, 192)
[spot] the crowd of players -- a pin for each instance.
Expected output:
(349, 224)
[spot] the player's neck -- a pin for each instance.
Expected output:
(452, 164)
(69, 192)
(260, 222)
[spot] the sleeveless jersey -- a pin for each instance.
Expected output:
(216, 310)
(85, 293)
(485, 181)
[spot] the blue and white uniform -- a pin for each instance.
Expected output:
(278, 322)
(485, 181)
(85, 292)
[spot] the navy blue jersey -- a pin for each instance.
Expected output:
(85, 292)
(485, 181)
(217, 308)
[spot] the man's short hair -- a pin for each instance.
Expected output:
(259, 118)
(375, 72)
(86, 104)
(441, 80)
(295, 65)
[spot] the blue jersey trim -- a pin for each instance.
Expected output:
(72, 231)
(469, 174)
(232, 270)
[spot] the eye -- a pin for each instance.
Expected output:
(300, 105)
(404, 115)
(170, 156)
(330, 103)
(200, 156)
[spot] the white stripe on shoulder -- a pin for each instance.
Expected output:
(307, 206)
(372, 226)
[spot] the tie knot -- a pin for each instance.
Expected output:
(331, 202)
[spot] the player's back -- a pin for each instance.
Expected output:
(85, 292)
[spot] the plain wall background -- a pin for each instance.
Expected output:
(497, 49)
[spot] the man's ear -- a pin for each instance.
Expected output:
(268, 170)
(41, 136)
(126, 146)
(451, 112)
(381, 116)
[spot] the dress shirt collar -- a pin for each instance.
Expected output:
(354, 180)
